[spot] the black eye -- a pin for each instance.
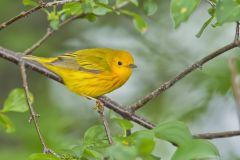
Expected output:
(119, 63)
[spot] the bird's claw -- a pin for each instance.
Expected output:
(99, 106)
(32, 116)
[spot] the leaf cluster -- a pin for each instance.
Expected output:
(138, 145)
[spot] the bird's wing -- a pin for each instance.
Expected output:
(92, 63)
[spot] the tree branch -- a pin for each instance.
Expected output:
(140, 103)
(34, 9)
(19, 16)
(217, 135)
(33, 114)
(16, 58)
(100, 110)
(236, 39)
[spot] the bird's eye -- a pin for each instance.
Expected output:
(119, 63)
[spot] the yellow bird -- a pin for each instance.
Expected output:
(91, 72)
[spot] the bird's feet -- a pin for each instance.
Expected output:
(32, 116)
(99, 106)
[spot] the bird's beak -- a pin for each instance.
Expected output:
(132, 66)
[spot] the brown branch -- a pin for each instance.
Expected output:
(33, 114)
(34, 9)
(217, 135)
(39, 42)
(16, 58)
(19, 16)
(100, 109)
(140, 103)
(49, 33)
(237, 32)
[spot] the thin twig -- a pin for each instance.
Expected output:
(39, 42)
(100, 109)
(34, 9)
(33, 114)
(121, 5)
(211, 3)
(140, 103)
(16, 58)
(235, 85)
(19, 16)
(60, 2)
(217, 135)
(49, 33)
(106, 127)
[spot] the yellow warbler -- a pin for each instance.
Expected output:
(90, 72)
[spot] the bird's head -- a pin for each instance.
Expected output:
(123, 63)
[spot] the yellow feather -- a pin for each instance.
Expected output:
(90, 72)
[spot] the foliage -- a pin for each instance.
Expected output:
(141, 143)
(223, 10)
(15, 102)
(98, 8)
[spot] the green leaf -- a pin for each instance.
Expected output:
(88, 6)
(140, 23)
(143, 141)
(95, 136)
(196, 149)
(174, 132)
(121, 149)
(6, 123)
(53, 17)
(54, 24)
(69, 157)
(16, 101)
(135, 2)
(181, 10)
(101, 10)
(227, 11)
(90, 154)
(150, 7)
(204, 27)
(103, 1)
(41, 156)
(123, 123)
(74, 8)
(120, 2)
(91, 17)
(29, 3)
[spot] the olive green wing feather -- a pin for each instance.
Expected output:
(82, 61)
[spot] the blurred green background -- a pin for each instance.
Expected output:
(203, 99)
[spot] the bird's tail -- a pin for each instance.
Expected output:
(41, 60)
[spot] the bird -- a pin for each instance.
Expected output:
(90, 72)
